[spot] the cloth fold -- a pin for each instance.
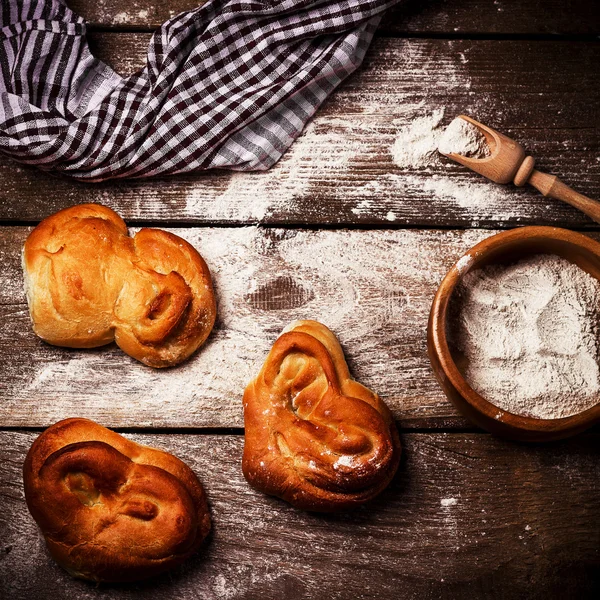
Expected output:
(230, 84)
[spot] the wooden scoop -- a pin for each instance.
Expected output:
(507, 162)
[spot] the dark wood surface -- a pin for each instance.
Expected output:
(341, 170)
(458, 17)
(467, 515)
(372, 287)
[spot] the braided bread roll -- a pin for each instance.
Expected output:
(314, 436)
(111, 509)
(88, 283)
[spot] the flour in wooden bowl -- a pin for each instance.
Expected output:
(527, 336)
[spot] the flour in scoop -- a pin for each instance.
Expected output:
(527, 336)
(462, 137)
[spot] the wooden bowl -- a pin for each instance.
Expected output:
(508, 246)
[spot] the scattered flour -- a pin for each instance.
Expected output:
(227, 205)
(464, 263)
(477, 194)
(462, 137)
(325, 147)
(417, 142)
(479, 199)
(121, 17)
(124, 17)
(364, 207)
(346, 460)
(333, 148)
(447, 502)
(416, 149)
(356, 282)
(529, 336)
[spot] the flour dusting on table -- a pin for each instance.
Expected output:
(369, 287)
(326, 147)
(417, 142)
(448, 502)
(415, 151)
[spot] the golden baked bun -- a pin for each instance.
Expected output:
(88, 283)
(314, 436)
(111, 509)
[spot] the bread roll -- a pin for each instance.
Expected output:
(111, 509)
(88, 283)
(314, 436)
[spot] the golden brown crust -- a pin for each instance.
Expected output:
(111, 509)
(314, 436)
(88, 283)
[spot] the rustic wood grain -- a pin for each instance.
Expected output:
(340, 171)
(497, 17)
(372, 288)
(466, 516)
(411, 16)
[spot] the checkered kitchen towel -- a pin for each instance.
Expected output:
(228, 85)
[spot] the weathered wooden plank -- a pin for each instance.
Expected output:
(497, 17)
(411, 16)
(466, 516)
(372, 288)
(341, 170)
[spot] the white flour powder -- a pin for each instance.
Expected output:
(416, 144)
(528, 336)
(462, 137)
(415, 153)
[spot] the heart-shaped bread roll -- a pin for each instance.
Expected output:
(314, 436)
(111, 509)
(88, 283)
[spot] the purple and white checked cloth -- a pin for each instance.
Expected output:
(228, 85)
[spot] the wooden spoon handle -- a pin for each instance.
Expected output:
(553, 187)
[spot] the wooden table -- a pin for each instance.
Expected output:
(342, 235)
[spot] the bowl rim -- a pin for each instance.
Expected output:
(438, 319)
